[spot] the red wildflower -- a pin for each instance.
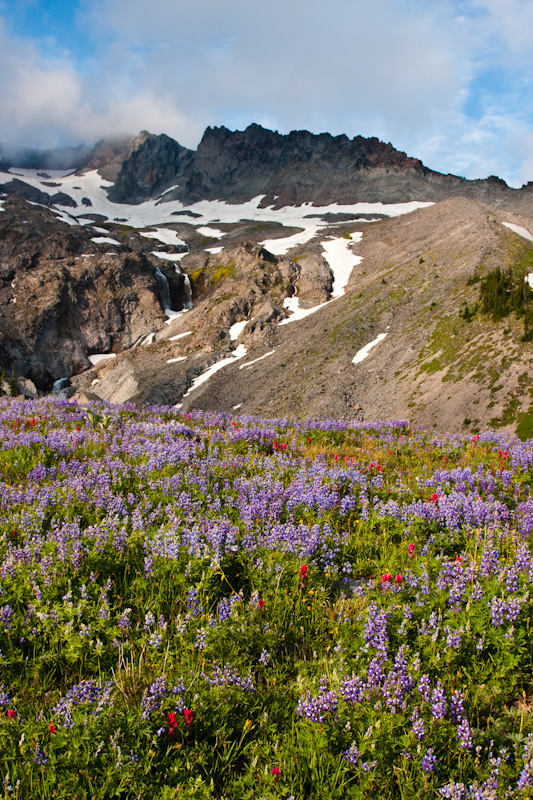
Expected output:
(386, 577)
(11, 713)
(51, 728)
(171, 723)
(187, 713)
(276, 772)
(260, 603)
(434, 497)
(398, 579)
(411, 550)
(303, 570)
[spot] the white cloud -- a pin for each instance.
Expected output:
(413, 72)
(37, 95)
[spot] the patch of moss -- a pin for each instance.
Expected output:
(221, 273)
(524, 428)
(432, 366)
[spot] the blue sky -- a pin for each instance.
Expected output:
(448, 81)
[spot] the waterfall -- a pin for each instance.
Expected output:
(60, 384)
(164, 290)
(187, 291)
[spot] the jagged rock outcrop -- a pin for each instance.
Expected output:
(153, 164)
(34, 195)
(64, 297)
(292, 169)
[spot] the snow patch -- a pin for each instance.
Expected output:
(32, 173)
(168, 256)
(178, 358)
(213, 233)
(293, 304)
(153, 213)
(239, 353)
(165, 235)
(519, 230)
(341, 261)
(213, 250)
(236, 329)
(279, 247)
(98, 357)
(364, 351)
(104, 240)
(179, 336)
(249, 363)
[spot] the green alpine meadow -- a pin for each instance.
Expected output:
(206, 606)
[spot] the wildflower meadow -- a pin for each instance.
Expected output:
(207, 606)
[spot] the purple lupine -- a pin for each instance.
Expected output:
(429, 760)
(438, 702)
(316, 708)
(464, 734)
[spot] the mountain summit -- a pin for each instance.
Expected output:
(300, 167)
(303, 274)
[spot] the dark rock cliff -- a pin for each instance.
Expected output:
(63, 297)
(292, 169)
(153, 164)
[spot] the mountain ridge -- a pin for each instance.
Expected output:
(319, 286)
(285, 169)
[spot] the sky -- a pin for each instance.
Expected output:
(447, 81)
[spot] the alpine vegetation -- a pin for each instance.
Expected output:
(208, 606)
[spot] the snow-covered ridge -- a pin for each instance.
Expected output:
(92, 187)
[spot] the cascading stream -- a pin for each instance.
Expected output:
(164, 290)
(187, 290)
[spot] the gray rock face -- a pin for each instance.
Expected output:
(153, 164)
(236, 166)
(63, 297)
(34, 195)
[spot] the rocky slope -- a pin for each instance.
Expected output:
(433, 366)
(286, 297)
(64, 296)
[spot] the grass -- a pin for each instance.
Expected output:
(205, 606)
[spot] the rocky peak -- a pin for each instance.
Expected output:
(154, 164)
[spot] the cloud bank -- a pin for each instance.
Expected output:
(449, 83)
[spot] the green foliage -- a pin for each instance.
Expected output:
(155, 564)
(506, 292)
(468, 313)
(13, 385)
